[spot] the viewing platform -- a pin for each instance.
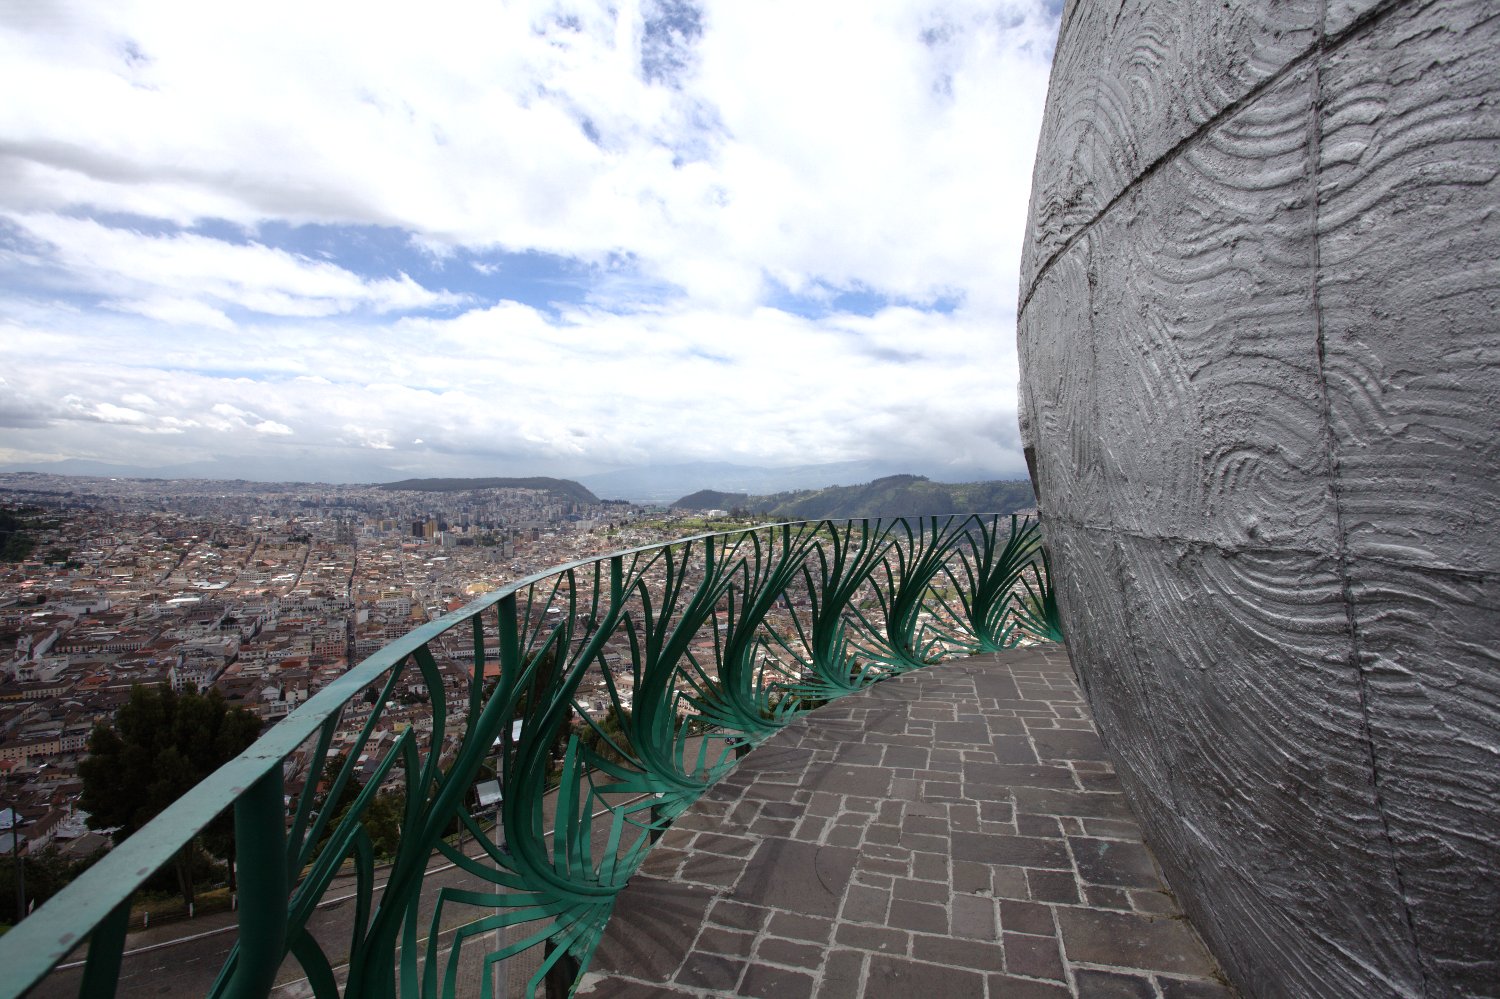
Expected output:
(784, 760)
(956, 831)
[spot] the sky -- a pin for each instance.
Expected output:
(360, 241)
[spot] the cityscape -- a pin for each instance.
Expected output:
(263, 592)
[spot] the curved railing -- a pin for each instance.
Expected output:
(607, 693)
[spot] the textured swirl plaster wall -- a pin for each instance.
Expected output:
(1260, 345)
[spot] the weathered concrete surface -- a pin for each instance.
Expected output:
(1260, 344)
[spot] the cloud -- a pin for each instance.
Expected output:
(186, 278)
(512, 385)
(720, 173)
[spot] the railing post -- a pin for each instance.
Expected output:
(101, 971)
(260, 852)
(558, 982)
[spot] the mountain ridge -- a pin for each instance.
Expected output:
(902, 495)
(558, 487)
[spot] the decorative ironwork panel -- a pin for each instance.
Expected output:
(601, 698)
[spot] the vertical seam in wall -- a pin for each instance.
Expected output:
(1341, 543)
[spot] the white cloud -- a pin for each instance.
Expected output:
(884, 147)
(178, 276)
(512, 386)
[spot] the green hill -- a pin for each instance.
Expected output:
(558, 487)
(712, 499)
(892, 496)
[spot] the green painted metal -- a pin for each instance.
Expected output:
(637, 679)
(1036, 612)
(260, 842)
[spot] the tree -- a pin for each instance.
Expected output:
(382, 820)
(162, 744)
(47, 873)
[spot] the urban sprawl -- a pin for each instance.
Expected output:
(264, 592)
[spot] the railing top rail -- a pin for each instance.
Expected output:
(43, 939)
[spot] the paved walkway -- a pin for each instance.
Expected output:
(955, 832)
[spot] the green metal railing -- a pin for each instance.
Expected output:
(607, 693)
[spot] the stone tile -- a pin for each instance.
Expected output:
(964, 733)
(1034, 957)
(1008, 987)
(875, 938)
(708, 868)
(1176, 988)
(929, 867)
(1094, 984)
(1107, 897)
(958, 953)
(1112, 829)
(824, 804)
(911, 757)
(1068, 744)
(663, 862)
(598, 988)
(1026, 917)
(952, 893)
(997, 811)
(842, 975)
(797, 954)
(897, 978)
(795, 926)
(882, 865)
(1085, 804)
(864, 904)
(1014, 749)
(920, 891)
(801, 877)
(783, 828)
(869, 782)
(1007, 775)
(736, 916)
(843, 836)
(925, 825)
(1095, 781)
(1010, 882)
(1020, 851)
(918, 916)
(665, 919)
(1053, 886)
(716, 940)
(974, 917)
(1128, 940)
(1153, 903)
(710, 971)
(776, 983)
(729, 846)
(1038, 825)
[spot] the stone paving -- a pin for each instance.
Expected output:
(956, 832)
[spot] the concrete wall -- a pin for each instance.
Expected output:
(1260, 345)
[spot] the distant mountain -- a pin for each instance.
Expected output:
(558, 487)
(890, 496)
(712, 499)
(660, 483)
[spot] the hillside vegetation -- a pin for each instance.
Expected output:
(558, 487)
(892, 496)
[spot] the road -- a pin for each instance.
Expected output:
(184, 959)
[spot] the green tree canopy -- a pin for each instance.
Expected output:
(162, 743)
